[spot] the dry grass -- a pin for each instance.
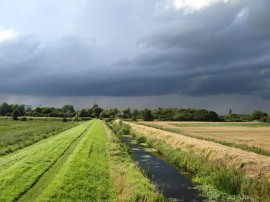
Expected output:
(129, 182)
(241, 133)
(253, 165)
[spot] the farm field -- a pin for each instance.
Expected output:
(74, 165)
(16, 135)
(246, 172)
(247, 135)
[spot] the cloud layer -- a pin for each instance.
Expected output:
(135, 48)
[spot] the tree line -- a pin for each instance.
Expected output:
(160, 114)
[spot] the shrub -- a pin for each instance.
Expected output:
(23, 118)
(15, 114)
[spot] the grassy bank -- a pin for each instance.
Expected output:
(219, 181)
(129, 181)
(16, 135)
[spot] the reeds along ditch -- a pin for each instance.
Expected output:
(218, 181)
(130, 181)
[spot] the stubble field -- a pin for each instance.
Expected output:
(247, 136)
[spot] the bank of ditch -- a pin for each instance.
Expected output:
(221, 176)
(130, 182)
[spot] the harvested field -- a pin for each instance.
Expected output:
(252, 135)
(253, 165)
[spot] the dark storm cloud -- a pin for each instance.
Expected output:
(221, 49)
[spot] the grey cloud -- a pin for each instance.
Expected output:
(223, 49)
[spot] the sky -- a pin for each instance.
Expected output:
(211, 54)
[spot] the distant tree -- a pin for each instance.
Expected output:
(84, 113)
(230, 112)
(38, 110)
(112, 112)
(103, 115)
(68, 109)
(96, 110)
(46, 110)
(233, 118)
(126, 113)
(213, 116)
(5, 109)
(201, 115)
(135, 114)
(15, 114)
(147, 115)
(259, 115)
(268, 119)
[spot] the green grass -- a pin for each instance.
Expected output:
(86, 174)
(21, 170)
(129, 180)
(16, 135)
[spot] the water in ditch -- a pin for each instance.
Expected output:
(168, 179)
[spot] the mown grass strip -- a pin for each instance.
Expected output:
(254, 149)
(44, 180)
(86, 174)
(129, 181)
(21, 169)
(15, 135)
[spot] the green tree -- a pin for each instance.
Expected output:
(96, 110)
(147, 115)
(15, 114)
(126, 113)
(68, 109)
(5, 108)
(259, 115)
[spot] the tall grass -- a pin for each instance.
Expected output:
(220, 182)
(129, 181)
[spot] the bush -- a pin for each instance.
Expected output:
(23, 118)
(15, 114)
(76, 118)
(268, 119)
(64, 119)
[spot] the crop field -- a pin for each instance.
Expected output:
(229, 169)
(73, 165)
(248, 135)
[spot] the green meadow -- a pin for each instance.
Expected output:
(78, 164)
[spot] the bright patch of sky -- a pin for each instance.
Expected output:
(190, 6)
(7, 35)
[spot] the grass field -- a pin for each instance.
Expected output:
(249, 136)
(16, 135)
(78, 164)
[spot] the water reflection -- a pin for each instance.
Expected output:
(166, 176)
